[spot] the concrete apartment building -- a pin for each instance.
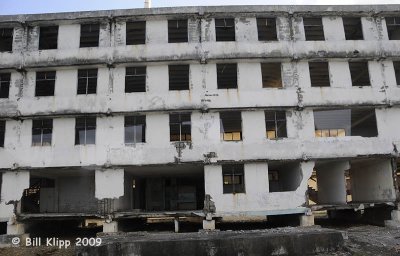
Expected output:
(222, 113)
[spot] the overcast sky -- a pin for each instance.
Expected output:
(45, 6)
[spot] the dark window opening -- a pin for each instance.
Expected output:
(89, 35)
(135, 79)
(233, 178)
(87, 81)
(352, 28)
(275, 124)
(319, 74)
(178, 77)
(177, 31)
(42, 132)
(266, 28)
(85, 130)
(5, 79)
(271, 75)
(135, 129)
(180, 127)
(359, 73)
(2, 132)
(225, 30)
(30, 201)
(227, 76)
(48, 37)
(345, 122)
(313, 29)
(284, 177)
(45, 83)
(6, 39)
(231, 125)
(396, 65)
(135, 32)
(393, 27)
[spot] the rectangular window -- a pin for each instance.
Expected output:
(225, 30)
(87, 81)
(177, 31)
(319, 74)
(6, 39)
(233, 178)
(231, 125)
(180, 127)
(45, 83)
(393, 27)
(266, 28)
(313, 29)
(135, 129)
(89, 35)
(178, 77)
(42, 132)
(48, 37)
(135, 32)
(271, 75)
(85, 130)
(359, 73)
(227, 76)
(5, 79)
(135, 79)
(2, 132)
(275, 124)
(396, 65)
(352, 28)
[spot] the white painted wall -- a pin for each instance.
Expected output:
(109, 183)
(331, 182)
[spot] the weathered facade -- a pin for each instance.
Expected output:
(269, 110)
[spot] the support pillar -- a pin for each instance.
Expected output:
(209, 223)
(176, 223)
(14, 227)
(307, 219)
(110, 227)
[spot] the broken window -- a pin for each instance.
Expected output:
(233, 178)
(266, 28)
(283, 177)
(5, 84)
(180, 127)
(135, 32)
(177, 31)
(45, 83)
(90, 35)
(2, 132)
(135, 79)
(6, 39)
(42, 130)
(87, 81)
(271, 75)
(345, 122)
(393, 27)
(85, 130)
(135, 129)
(396, 65)
(231, 125)
(225, 29)
(275, 124)
(178, 77)
(352, 28)
(227, 76)
(359, 73)
(48, 37)
(313, 29)
(319, 74)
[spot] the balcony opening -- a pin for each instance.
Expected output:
(87, 81)
(48, 38)
(85, 130)
(352, 28)
(359, 73)
(135, 79)
(177, 31)
(393, 27)
(135, 32)
(135, 129)
(45, 83)
(42, 130)
(2, 132)
(275, 124)
(225, 30)
(271, 75)
(178, 77)
(5, 79)
(89, 35)
(396, 65)
(227, 76)
(6, 39)
(231, 125)
(319, 74)
(284, 176)
(180, 127)
(313, 29)
(233, 178)
(266, 28)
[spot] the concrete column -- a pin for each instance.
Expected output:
(111, 227)
(19, 39)
(156, 31)
(105, 35)
(246, 30)
(176, 225)
(69, 36)
(283, 28)
(306, 220)
(331, 183)
(193, 30)
(33, 38)
(14, 227)
(249, 76)
(209, 223)
(333, 28)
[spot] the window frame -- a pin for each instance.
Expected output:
(232, 171)
(2, 133)
(42, 126)
(87, 43)
(223, 81)
(43, 41)
(184, 119)
(135, 31)
(84, 75)
(265, 32)
(354, 78)
(220, 29)
(132, 88)
(265, 77)
(136, 123)
(5, 82)
(317, 66)
(309, 28)
(277, 122)
(42, 82)
(355, 35)
(181, 36)
(8, 41)
(176, 73)
(224, 134)
(86, 129)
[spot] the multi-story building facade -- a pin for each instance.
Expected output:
(256, 110)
